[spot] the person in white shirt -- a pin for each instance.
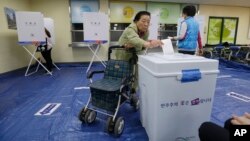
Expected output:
(45, 50)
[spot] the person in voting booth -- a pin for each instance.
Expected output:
(135, 39)
(45, 49)
(189, 33)
(209, 131)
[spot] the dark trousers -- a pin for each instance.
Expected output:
(187, 52)
(47, 56)
(209, 131)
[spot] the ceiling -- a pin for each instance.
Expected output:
(243, 3)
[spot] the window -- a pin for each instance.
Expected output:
(222, 29)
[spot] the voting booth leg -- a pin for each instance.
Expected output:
(27, 70)
(95, 55)
(53, 65)
(56, 66)
(31, 59)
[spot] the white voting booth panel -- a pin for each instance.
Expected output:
(30, 27)
(176, 95)
(96, 26)
(96, 32)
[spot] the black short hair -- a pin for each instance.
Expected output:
(189, 10)
(139, 14)
(47, 32)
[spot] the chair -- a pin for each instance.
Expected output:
(247, 60)
(243, 54)
(217, 51)
(234, 52)
(208, 52)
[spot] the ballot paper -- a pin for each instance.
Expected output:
(167, 47)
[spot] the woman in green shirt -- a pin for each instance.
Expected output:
(135, 37)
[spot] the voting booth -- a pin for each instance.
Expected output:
(176, 94)
(30, 28)
(96, 32)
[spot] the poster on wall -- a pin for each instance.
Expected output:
(30, 27)
(78, 7)
(124, 12)
(153, 27)
(49, 25)
(168, 12)
(11, 17)
(96, 29)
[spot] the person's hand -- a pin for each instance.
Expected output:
(200, 52)
(35, 43)
(156, 43)
(171, 38)
(241, 120)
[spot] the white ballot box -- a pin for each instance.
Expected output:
(176, 95)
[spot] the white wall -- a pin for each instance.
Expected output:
(12, 56)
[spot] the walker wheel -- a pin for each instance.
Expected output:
(109, 125)
(90, 116)
(135, 102)
(119, 126)
(132, 91)
(81, 114)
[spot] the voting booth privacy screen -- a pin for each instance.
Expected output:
(176, 94)
(30, 27)
(96, 26)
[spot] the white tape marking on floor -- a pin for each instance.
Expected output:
(48, 109)
(79, 88)
(239, 96)
(224, 76)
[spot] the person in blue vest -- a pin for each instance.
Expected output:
(189, 34)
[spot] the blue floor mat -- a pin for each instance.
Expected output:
(22, 97)
(233, 78)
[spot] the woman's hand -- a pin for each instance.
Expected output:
(35, 43)
(147, 44)
(171, 38)
(156, 43)
(241, 120)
